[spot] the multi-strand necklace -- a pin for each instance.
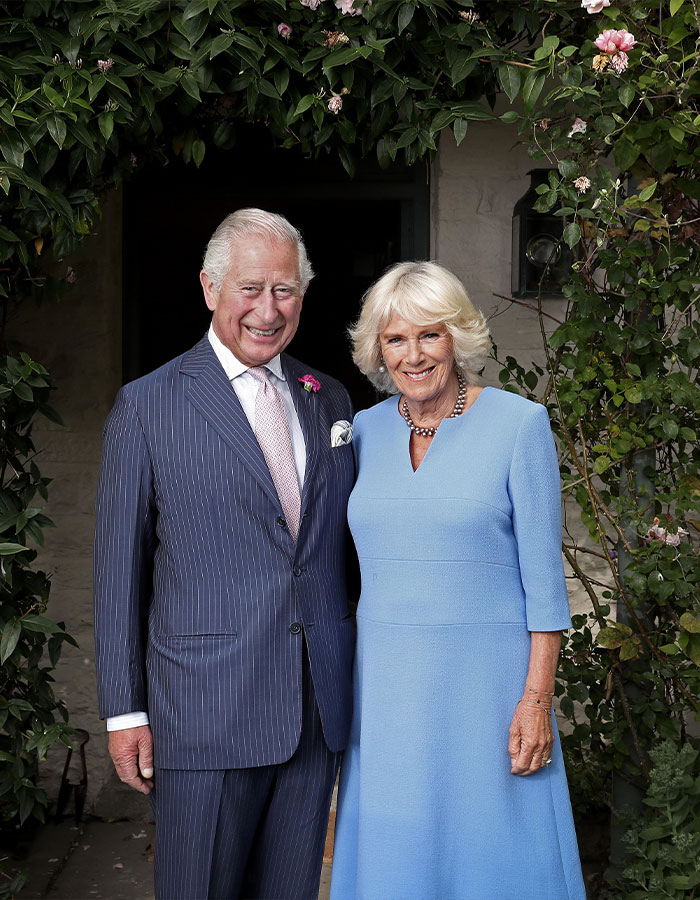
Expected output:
(457, 411)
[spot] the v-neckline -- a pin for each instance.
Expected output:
(465, 414)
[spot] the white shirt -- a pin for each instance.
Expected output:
(246, 388)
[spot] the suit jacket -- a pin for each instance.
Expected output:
(201, 597)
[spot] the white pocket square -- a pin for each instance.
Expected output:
(341, 433)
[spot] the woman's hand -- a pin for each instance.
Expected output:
(531, 738)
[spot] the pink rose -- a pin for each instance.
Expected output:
(348, 8)
(610, 41)
(284, 30)
(579, 127)
(606, 41)
(625, 40)
(312, 4)
(335, 104)
(592, 6)
(310, 383)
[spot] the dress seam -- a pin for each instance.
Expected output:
(434, 624)
(460, 562)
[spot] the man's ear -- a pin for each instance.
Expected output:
(211, 295)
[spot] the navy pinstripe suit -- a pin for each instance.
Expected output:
(199, 587)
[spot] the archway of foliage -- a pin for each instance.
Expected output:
(89, 91)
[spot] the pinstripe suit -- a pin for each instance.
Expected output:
(199, 587)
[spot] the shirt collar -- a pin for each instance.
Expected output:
(232, 366)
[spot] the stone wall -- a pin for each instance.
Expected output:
(79, 340)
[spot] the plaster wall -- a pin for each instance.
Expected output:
(474, 189)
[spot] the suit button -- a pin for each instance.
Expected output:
(295, 627)
(298, 570)
(281, 521)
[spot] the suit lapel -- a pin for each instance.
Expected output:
(307, 407)
(211, 393)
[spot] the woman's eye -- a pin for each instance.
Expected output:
(431, 334)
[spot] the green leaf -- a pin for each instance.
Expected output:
(509, 79)
(219, 44)
(41, 623)
(568, 168)
(198, 151)
(648, 192)
(572, 234)
(690, 622)
(12, 148)
(8, 549)
(626, 154)
(626, 94)
(670, 429)
(692, 648)
(304, 104)
(509, 117)
(460, 130)
(23, 391)
(105, 120)
(405, 16)
(190, 86)
(10, 637)
(463, 66)
(676, 5)
(57, 129)
(532, 88)
(339, 58)
(610, 638)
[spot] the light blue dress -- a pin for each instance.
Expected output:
(460, 560)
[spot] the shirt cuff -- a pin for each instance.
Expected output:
(127, 720)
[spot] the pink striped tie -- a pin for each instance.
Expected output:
(272, 432)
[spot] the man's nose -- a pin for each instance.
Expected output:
(267, 305)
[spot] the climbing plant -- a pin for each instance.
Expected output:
(605, 94)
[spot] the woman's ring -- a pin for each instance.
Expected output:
(547, 762)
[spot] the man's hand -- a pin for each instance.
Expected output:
(131, 750)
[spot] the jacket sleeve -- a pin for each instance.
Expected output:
(535, 494)
(123, 562)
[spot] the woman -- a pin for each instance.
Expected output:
(453, 785)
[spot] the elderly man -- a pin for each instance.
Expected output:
(224, 645)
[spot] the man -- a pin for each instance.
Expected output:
(223, 643)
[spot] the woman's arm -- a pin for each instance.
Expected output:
(531, 735)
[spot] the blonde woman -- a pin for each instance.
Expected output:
(453, 785)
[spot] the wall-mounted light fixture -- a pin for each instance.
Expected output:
(538, 249)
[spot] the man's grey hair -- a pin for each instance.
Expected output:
(246, 222)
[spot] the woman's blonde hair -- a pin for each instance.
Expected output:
(422, 293)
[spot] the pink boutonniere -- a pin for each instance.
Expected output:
(310, 383)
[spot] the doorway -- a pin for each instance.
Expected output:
(353, 230)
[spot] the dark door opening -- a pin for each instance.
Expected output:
(353, 230)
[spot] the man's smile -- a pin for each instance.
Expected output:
(259, 332)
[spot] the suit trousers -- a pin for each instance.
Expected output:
(247, 834)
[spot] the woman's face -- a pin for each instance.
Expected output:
(419, 358)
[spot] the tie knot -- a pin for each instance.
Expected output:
(260, 374)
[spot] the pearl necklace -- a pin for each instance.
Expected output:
(457, 411)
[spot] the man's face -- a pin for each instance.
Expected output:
(256, 312)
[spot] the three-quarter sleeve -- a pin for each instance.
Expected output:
(535, 494)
